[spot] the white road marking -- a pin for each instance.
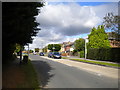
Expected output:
(99, 74)
(68, 65)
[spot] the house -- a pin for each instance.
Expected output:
(114, 39)
(40, 50)
(67, 48)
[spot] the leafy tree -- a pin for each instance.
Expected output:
(36, 49)
(17, 48)
(44, 49)
(112, 22)
(18, 24)
(98, 38)
(79, 44)
(54, 47)
(31, 51)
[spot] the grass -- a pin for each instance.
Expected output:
(65, 58)
(30, 76)
(96, 62)
(18, 76)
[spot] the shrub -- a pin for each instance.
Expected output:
(82, 54)
(25, 59)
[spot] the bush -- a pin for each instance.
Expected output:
(75, 53)
(25, 59)
(82, 54)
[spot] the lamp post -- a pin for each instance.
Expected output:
(53, 47)
(42, 47)
(86, 41)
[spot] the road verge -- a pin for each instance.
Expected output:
(20, 76)
(95, 62)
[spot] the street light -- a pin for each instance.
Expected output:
(86, 41)
(53, 47)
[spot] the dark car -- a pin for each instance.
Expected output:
(41, 54)
(56, 55)
(50, 54)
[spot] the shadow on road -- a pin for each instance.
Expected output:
(42, 69)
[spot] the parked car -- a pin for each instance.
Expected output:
(50, 54)
(56, 55)
(41, 54)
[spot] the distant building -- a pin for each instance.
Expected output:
(40, 50)
(67, 47)
(114, 39)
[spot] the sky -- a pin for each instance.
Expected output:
(67, 21)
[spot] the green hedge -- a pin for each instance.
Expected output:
(108, 54)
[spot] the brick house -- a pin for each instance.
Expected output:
(114, 39)
(67, 47)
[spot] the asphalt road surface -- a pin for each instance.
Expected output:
(52, 74)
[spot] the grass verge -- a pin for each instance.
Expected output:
(30, 77)
(19, 76)
(65, 58)
(96, 62)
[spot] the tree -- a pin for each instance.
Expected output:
(36, 49)
(31, 51)
(18, 24)
(98, 38)
(44, 49)
(54, 47)
(112, 22)
(17, 48)
(80, 44)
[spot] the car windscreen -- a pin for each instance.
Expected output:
(56, 53)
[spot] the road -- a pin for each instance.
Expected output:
(53, 74)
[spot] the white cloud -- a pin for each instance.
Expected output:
(71, 19)
(59, 22)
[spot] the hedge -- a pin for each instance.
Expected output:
(107, 54)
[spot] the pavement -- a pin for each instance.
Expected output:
(63, 73)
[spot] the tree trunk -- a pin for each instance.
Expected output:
(20, 55)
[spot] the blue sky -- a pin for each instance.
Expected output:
(93, 3)
(81, 3)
